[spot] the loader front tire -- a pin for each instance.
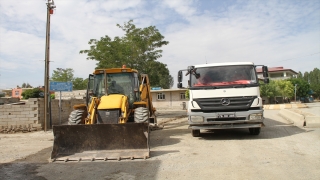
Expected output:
(75, 117)
(254, 131)
(141, 115)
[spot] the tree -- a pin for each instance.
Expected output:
(268, 90)
(66, 75)
(62, 75)
(32, 93)
(138, 49)
(79, 83)
(284, 88)
(314, 80)
(24, 85)
(302, 88)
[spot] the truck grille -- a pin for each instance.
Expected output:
(108, 116)
(240, 103)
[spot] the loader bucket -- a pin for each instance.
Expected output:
(100, 142)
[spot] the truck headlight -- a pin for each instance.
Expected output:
(255, 116)
(196, 118)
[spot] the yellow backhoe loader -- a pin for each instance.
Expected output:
(114, 123)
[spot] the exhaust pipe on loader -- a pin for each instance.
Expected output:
(100, 142)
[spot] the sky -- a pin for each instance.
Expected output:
(273, 33)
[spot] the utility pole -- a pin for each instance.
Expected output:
(50, 8)
(295, 93)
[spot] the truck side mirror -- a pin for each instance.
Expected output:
(265, 74)
(265, 71)
(179, 76)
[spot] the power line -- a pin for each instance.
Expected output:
(295, 58)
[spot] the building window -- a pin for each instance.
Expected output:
(182, 96)
(17, 93)
(161, 96)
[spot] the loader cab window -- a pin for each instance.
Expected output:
(124, 83)
(99, 85)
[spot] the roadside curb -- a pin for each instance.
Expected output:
(283, 106)
(300, 119)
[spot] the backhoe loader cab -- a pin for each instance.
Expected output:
(114, 81)
(113, 124)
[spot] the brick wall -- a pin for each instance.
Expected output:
(31, 114)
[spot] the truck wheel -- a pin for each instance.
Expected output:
(255, 131)
(141, 115)
(75, 117)
(195, 132)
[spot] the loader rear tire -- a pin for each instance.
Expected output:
(75, 117)
(141, 115)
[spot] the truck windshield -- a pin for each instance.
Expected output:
(224, 76)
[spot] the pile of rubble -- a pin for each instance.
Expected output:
(19, 129)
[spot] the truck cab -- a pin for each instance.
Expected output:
(224, 96)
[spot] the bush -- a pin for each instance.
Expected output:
(32, 93)
(52, 96)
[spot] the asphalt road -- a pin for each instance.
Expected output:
(313, 108)
(281, 151)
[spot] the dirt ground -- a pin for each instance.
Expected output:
(20, 145)
(281, 151)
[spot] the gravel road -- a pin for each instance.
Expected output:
(281, 151)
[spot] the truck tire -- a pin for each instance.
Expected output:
(141, 115)
(75, 117)
(195, 132)
(255, 131)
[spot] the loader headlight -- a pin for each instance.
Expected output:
(255, 116)
(196, 118)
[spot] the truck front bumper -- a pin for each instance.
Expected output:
(225, 126)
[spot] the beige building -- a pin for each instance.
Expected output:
(163, 98)
(278, 73)
(169, 98)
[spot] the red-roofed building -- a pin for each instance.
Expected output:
(277, 73)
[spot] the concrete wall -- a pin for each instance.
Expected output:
(8, 100)
(77, 94)
(31, 114)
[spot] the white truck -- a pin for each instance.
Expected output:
(224, 96)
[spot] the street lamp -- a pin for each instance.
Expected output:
(50, 8)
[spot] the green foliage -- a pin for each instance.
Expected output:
(62, 75)
(66, 75)
(276, 88)
(284, 88)
(79, 84)
(314, 80)
(302, 86)
(138, 49)
(32, 93)
(187, 94)
(268, 90)
(52, 96)
(24, 85)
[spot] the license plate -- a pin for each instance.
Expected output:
(226, 116)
